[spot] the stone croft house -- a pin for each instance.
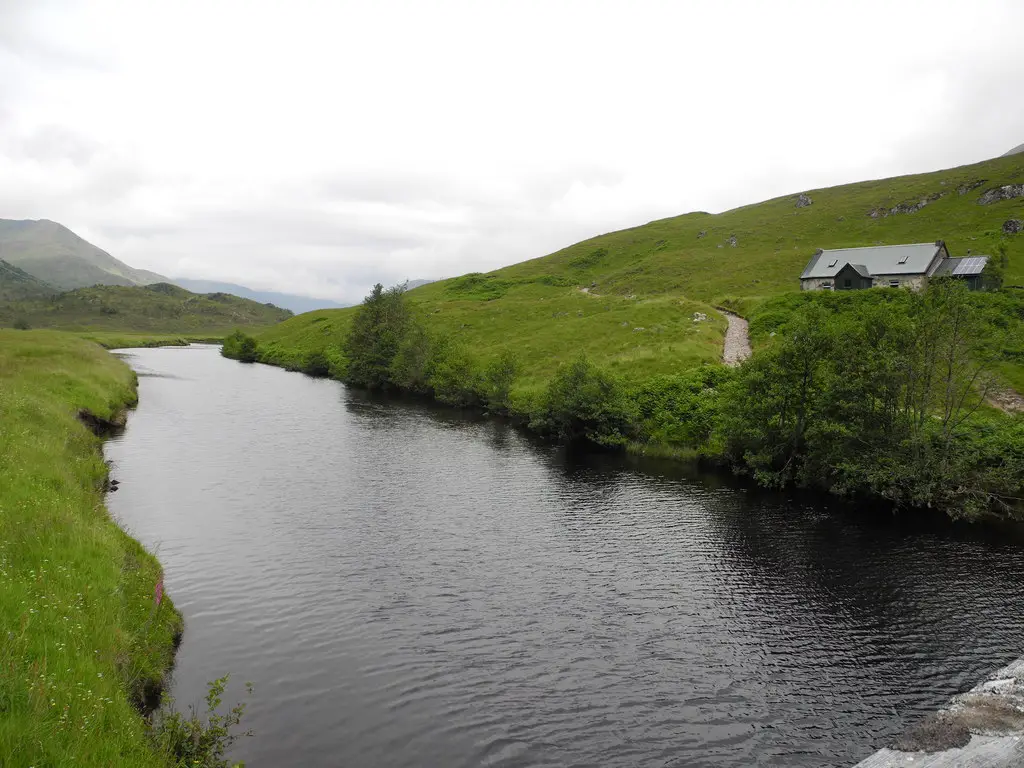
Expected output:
(888, 266)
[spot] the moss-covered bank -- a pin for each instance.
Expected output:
(83, 643)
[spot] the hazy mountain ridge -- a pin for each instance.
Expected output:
(294, 302)
(1015, 151)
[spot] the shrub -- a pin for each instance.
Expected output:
(316, 364)
(410, 368)
(187, 740)
(587, 260)
(585, 403)
(239, 346)
(478, 286)
(681, 410)
(22, 324)
(498, 378)
(453, 375)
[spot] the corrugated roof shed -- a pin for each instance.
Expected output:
(878, 260)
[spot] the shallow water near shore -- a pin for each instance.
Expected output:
(407, 586)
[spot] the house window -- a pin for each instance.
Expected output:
(894, 283)
(847, 282)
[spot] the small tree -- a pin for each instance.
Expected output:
(373, 341)
(500, 376)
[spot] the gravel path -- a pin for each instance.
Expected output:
(1007, 400)
(737, 341)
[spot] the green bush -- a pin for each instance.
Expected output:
(499, 378)
(588, 260)
(188, 740)
(239, 346)
(681, 410)
(316, 364)
(21, 324)
(584, 403)
(453, 375)
(478, 286)
(410, 368)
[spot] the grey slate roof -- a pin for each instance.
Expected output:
(965, 266)
(878, 260)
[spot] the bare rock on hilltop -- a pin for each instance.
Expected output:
(802, 201)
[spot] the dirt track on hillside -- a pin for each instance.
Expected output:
(737, 340)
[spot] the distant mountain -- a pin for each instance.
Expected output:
(1015, 151)
(157, 308)
(410, 284)
(297, 304)
(54, 254)
(17, 284)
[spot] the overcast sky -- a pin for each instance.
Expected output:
(320, 147)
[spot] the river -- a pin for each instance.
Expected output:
(406, 586)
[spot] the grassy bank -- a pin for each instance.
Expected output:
(83, 643)
(627, 298)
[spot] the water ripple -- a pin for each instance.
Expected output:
(407, 587)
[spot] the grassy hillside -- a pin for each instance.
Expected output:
(56, 255)
(160, 308)
(83, 639)
(16, 284)
(644, 284)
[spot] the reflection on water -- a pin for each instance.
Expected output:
(410, 587)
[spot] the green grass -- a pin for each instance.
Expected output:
(118, 340)
(657, 275)
(18, 285)
(161, 308)
(81, 639)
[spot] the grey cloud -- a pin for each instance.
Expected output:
(54, 142)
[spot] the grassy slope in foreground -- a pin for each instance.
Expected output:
(536, 307)
(154, 309)
(81, 637)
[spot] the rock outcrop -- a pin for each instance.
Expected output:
(1007, 192)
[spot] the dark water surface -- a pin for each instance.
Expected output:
(406, 587)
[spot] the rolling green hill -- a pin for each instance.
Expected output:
(628, 298)
(159, 308)
(54, 254)
(17, 284)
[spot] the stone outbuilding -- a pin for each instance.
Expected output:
(888, 266)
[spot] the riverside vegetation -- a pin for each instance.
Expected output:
(878, 393)
(87, 638)
(605, 341)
